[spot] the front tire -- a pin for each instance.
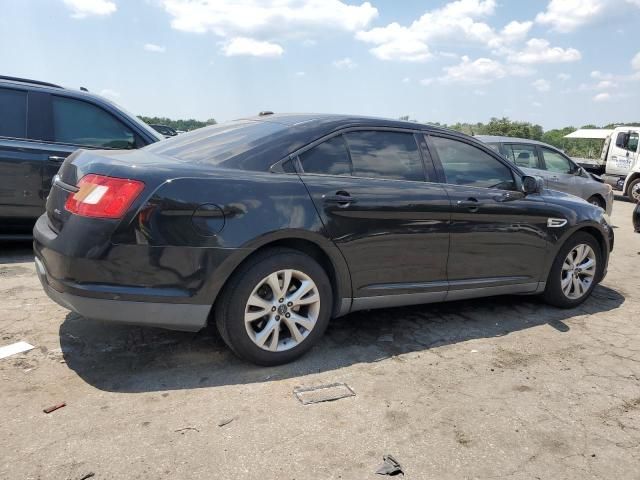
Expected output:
(633, 190)
(597, 201)
(275, 307)
(575, 270)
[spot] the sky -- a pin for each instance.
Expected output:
(552, 62)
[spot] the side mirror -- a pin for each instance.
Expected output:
(531, 185)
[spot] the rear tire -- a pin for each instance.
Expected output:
(269, 284)
(573, 276)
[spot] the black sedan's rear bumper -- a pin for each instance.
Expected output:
(130, 284)
(173, 316)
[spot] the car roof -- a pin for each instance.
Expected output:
(330, 121)
(503, 139)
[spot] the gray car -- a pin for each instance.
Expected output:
(558, 171)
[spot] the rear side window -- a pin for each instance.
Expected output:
(81, 123)
(523, 155)
(379, 154)
(13, 116)
(328, 158)
(555, 162)
(464, 164)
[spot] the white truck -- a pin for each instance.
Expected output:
(619, 162)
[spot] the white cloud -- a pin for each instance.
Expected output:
(602, 97)
(152, 47)
(568, 15)
(346, 63)
(406, 80)
(300, 74)
(541, 85)
(537, 104)
(269, 18)
(635, 62)
(538, 50)
(457, 21)
(251, 47)
(112, 94)
(86, 8)
(598, 75)
(481, 71)
(605, 85)
(564, 77)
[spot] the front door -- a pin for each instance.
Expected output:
(622, 153)
(389, 223)
(498, 236)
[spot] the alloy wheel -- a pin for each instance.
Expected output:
(578, 271)
(635, 192)
(282, 310)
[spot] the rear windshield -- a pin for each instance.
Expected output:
(215, 144)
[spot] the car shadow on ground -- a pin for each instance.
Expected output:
(15, 252)
(121, 358)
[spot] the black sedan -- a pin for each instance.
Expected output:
(270, 226)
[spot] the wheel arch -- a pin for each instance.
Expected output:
(592, 230)
(320, 249)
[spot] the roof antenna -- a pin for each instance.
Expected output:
(83, 89)
(264, 113)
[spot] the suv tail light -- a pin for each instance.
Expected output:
(103, 197)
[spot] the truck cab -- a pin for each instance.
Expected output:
(618, 163)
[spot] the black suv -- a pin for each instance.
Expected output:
(40, 125)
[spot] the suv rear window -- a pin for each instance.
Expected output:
(13, 121)
(215, 144)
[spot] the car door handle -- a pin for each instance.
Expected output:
(471, 204)
(57, 159)
(341, 198)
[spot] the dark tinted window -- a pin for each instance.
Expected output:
(392, 155)
(218, 143)
(13, 113)
(523, 155)
(464, 164)
(81, 123)
(329, 158)
(555, 162)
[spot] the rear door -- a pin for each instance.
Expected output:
(381, 208)
(20, 162)
(498, 235)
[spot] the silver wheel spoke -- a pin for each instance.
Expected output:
(255, 315)
(566, 284)
(588, 265)
(305, 287)
(256, 301)
(577, 286)
(295, 331)
(274, 283)
(303, 321)
(262, 336)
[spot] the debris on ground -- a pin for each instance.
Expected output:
(186, 429)
(323, 393)
(88, 475)
(226, 421)
(390, 466)
(53, 408)
(14, 348)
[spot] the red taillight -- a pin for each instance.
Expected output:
(103, 197)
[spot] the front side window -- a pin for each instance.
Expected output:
(328, 158)
(13, 116)
(523, 155)
(464, 164)
(380, 154)
(554, 162)
(632, 143)
(81, 123)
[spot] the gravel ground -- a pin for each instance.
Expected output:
(495, 388)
